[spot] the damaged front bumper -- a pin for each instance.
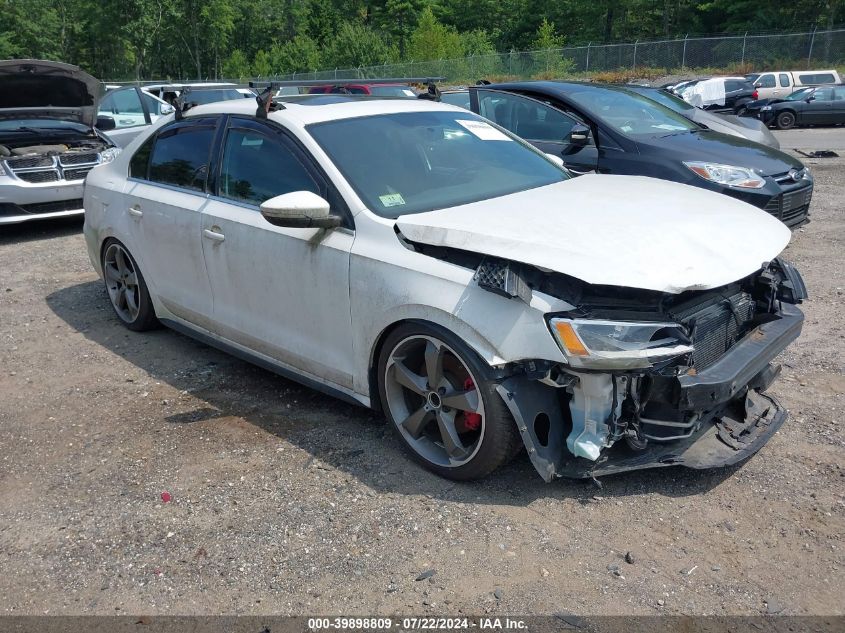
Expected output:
(734, 418)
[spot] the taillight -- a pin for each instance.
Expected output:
(754, 94)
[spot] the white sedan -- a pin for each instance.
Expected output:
(412, 257)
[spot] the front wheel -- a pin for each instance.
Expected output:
(127, 289)
(441, 400)
(785, 120)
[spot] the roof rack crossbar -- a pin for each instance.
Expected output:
(346, 82)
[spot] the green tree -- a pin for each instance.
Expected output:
(432, 40)
(358, 45)
(236, 66)
(301, 54)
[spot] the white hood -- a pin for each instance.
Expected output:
(627, 231)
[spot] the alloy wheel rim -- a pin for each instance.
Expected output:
(122, 282)
(433, 399)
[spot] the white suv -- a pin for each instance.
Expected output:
(411, 256)
(48, 143)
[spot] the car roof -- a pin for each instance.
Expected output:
(331, 110)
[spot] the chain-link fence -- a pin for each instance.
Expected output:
(812, 49)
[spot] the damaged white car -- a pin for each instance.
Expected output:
(411, 256)
(48, 142)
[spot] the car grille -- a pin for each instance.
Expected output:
(23, 162)
(792, 206)
(717, 326)
(52, 168)
(78, 158)
(39, 176)
(76, 174)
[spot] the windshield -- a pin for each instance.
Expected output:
(676, 104)
(210, 96)
(800, 94)
(47, 125)
(630, 113)
(420, 161)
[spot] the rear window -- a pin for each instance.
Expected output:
(816, 78)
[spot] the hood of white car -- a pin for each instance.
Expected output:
(35, 88)
(627, 231)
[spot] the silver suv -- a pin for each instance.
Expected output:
(48, 142)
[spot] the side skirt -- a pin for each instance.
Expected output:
(266, 363)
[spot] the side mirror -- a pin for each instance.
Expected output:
(810, 98)
(579, 135)
(557, 160)
(300, 210)
(105, 123)
(165, 109)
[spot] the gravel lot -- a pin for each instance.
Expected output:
(286, 501)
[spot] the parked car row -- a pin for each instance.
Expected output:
(810, 97)
(446, 266)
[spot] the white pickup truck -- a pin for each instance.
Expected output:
(783, 83)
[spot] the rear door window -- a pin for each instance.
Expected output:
(784, 80)
(181, 154)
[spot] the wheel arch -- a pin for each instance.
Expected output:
(442, 321)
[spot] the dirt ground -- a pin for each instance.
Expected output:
(286, 501)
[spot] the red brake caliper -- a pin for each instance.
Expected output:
(472, 420)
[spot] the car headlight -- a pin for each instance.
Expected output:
(108, 155)
(618, 344)
(765, 108)
(727, 175)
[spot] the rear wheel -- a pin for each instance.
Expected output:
(441, 400)
(127, 289)
(785, 120)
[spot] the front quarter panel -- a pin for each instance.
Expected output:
(390, 283)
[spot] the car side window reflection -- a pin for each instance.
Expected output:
(530, 119)
(180, 156)
(124, 106)
(257, 167)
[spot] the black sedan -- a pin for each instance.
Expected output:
(824, 105)
(607, 129)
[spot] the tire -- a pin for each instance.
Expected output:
(126, 288)
(460, 430)
(785, 120)
(741, 110)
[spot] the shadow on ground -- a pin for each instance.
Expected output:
(40, 230)
(352, 439)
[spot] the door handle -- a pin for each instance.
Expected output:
(213, 235)
(135, 211)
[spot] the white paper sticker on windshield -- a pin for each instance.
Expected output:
(408, 92)
(392, 199)
(484, 131)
